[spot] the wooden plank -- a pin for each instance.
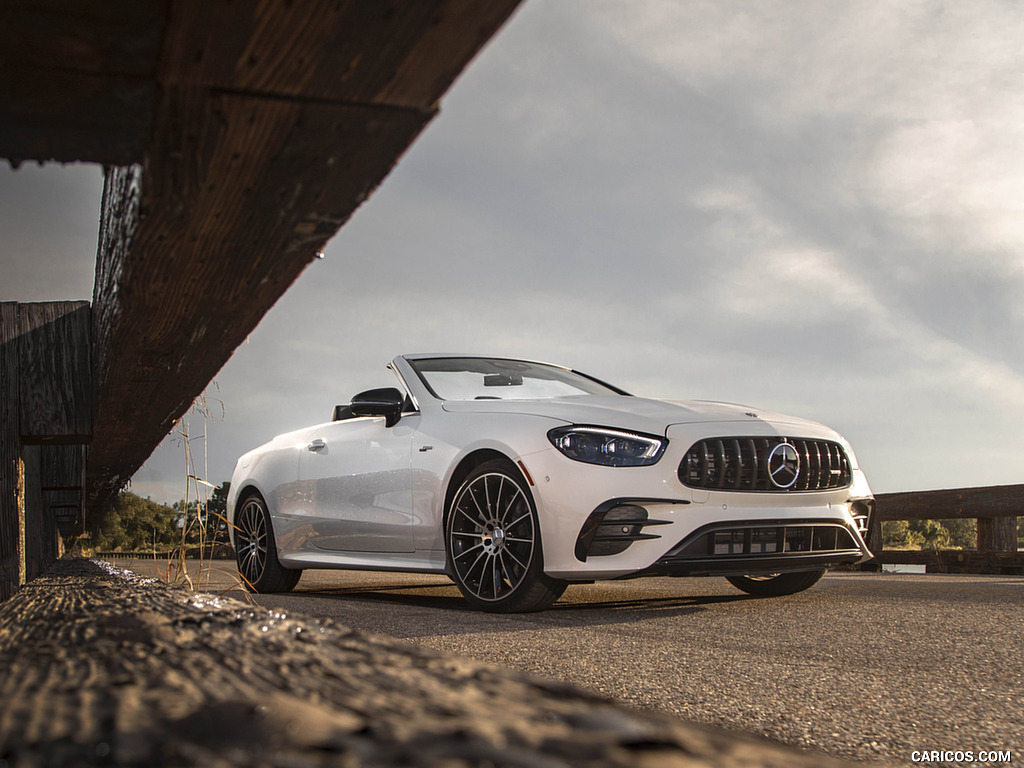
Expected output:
(109, 122)
(55, 372)
(990, 501)
(10, 452)
(358, 52)
(76, 79)
(997, 534)
(222, 240)
(424, 76)
(37, 554)
(63, 481)
(64, 512)
(112, 37)
(63, 468)
(965, 561)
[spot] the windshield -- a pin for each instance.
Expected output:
(480, 378)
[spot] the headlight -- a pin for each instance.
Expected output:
(611, 447)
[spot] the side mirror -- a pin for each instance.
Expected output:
(386, 402)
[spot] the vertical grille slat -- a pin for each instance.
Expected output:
(720, 463)
(737, 475)
(803, 480)
(753, 465)
(741, 464)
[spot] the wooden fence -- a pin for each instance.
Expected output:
(995, 507)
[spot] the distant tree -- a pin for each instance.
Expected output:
(134, 524)
(897, 534)
(934, 535)
(217, 508)
(963, 532)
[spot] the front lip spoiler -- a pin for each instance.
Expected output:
(740, 566)
(763, 546)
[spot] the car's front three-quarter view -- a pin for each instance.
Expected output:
(518, 478)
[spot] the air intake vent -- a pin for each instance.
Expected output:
(763, 464)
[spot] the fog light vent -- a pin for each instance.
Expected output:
(611, 530)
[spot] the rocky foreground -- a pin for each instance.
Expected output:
(100, 667)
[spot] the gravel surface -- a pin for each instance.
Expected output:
(867, 666)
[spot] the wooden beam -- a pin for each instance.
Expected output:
(275, 122)
(239, 137)
(956, 561)
(990, 501)
(77, 79)
(217, 247)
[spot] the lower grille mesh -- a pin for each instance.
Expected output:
(758, 540)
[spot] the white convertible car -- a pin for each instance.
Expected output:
(517, 478)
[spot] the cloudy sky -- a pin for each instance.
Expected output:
(813, 207)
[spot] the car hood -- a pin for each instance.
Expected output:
(639, 414)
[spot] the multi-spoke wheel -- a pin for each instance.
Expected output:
(776, 584)
(256, 550)
(493, 543)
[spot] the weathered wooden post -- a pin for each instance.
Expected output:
(10, 454)
(997, 534)
(46, 409)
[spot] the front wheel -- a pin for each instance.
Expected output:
(776, 584)
(256, 550)
(492, 539)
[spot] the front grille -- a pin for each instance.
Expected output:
(741, 464)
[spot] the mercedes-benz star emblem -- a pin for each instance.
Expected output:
(784, 465)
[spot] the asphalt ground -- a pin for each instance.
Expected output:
(868, 666)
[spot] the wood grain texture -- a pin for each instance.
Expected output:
(990, 501)
(40, 548)
(55, 372)
(76, 79)
(10, 451)
(997, 534)
(958, 561)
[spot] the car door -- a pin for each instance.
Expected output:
(357, 473)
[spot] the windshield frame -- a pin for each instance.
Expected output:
(513, 364)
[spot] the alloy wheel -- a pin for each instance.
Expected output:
(492, 536)
(251, 541)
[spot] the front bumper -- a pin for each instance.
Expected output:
(617, 522)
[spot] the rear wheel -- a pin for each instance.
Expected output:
(776, 584)
(493, 544)
(256, 550)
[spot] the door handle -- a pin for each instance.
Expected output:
(316, 445)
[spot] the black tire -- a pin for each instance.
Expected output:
(256, 549)
(776, 584)
(493, 545)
